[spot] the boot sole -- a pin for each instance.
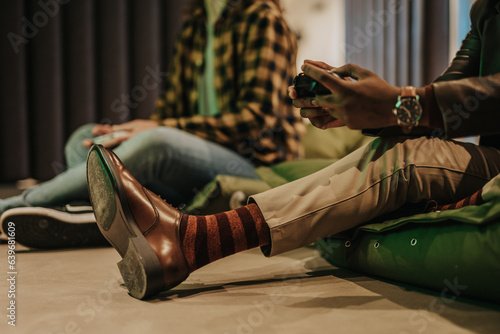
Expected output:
(140, 267)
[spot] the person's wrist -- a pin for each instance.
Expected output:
(424, 119)
(431, 115)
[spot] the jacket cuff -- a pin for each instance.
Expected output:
(431, 107)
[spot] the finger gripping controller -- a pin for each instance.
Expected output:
(306, 86)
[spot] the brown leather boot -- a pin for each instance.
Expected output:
(142, 227)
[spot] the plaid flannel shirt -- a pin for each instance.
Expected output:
(255, 54)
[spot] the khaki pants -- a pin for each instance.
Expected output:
(376, 179)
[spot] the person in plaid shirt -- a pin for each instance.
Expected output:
(254, 60)
(225, 110)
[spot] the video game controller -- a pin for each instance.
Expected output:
(306, 86)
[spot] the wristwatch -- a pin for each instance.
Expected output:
(408, 110)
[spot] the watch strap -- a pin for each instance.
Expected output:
(408, 91)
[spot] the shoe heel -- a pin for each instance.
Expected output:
(141, 271)
(101, 189)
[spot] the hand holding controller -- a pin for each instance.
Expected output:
(306, 86)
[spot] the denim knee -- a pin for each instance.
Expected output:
(149, 144)
(158, 138)
(74, 150)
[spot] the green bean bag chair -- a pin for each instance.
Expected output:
(454, 252)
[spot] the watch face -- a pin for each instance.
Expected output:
(409, 111)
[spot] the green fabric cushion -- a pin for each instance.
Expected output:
(216, 195)
(333, 143)
(455, 252)
(289, 171)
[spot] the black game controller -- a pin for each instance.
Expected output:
(308, 87)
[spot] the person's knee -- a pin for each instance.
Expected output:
(159, 136)
(74, 142)
(84, 130)
(156, 140)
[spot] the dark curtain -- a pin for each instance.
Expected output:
(404, 41)
(65, 63)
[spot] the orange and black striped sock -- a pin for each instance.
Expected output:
(205, 239)
(474, 199)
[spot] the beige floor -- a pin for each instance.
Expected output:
(79, 291)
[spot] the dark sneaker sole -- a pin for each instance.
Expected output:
(45, 228)
(140, 267)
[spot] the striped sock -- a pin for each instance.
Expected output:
(205, 239)
(474, 199)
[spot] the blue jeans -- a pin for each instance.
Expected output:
(168, 161)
